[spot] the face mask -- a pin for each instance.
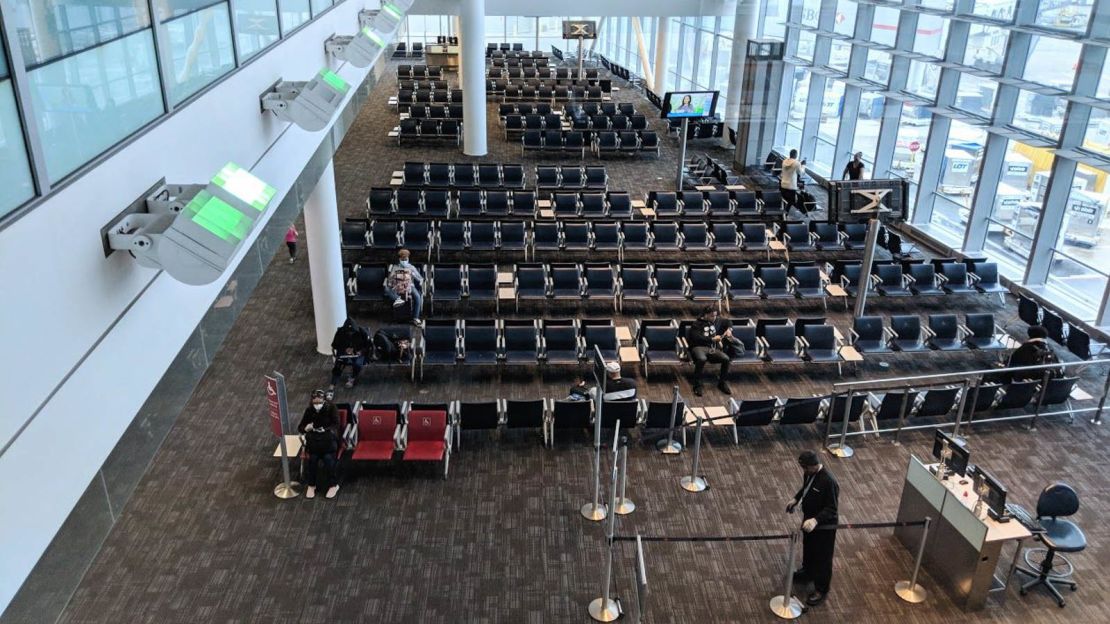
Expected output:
(318, 406)
(405, 263)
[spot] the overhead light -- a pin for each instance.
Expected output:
(360, 50)
(310, 104)
(191, 231)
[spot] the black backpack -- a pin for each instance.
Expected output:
(384, 347)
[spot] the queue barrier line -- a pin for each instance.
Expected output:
(770, 536)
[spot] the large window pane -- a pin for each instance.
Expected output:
(832, 104)
(885, 28)
(811, 10)
(839, 54)
(932, 32)
(1082, 257)
(943, 5)
(1052, 62)
(923, 79)
(48, 30)
(199, 50)
(1017, 206)
(909, 147)
(1072, 15)
(688, 52)
(88, 102)
(319, 6)
(15, 175)
(986, 46)
(773, 21)
(705, 60)
(845, 22)
(256, 25)
(878, 67)
(1040, 114)
(976, 95)
(806, 43)
(296, 12)
(866, 138)
(792, 136)
(1097, 138)
(1104, 82)
(1002, 10)
(521, 30)
(958, 176)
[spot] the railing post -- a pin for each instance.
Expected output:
(901, 416)
(787, 606)
(909, 590)
(605, 609)
(624, 505)
(670, 446)
(961, 406)
(694, 483)
(1097, 420)
(841, 448)
(1040, 398)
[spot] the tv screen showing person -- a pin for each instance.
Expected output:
(689, 104)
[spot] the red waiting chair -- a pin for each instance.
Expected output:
(427, 437)
(377, 435)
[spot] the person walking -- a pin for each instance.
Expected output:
(854, 169)
(792, 171)
(706, 337)
(819, 498)
(320, 428)
(291, 242)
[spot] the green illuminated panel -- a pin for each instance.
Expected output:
(219, 218)
(241, 184)
(373, 36)
(392, 10)
(334, 80)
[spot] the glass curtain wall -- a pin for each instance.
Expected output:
(16, 185)
(1006, 80)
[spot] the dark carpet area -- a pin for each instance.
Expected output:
(203, 539)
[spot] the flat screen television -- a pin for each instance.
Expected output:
(689, 104)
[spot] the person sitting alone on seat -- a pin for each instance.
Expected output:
(710, 339)
(405, 283)
(618, 388)
(1033, 352)
(320, 428)
(350, 347)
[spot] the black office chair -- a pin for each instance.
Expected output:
(1060, 536)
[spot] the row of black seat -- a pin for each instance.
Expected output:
(600, 143)
(419, 72)
(404, 51)
(430, 85)
(536, 71)
(444, 204)
(619, 71)
(436, 111)
(516, 124)
(571, 178)
(424, 97)
(591, 109)
(763, 203)
(580, 91)
(525, 108)
(699, 128)
(708, 170)
(943, 332)
(512, 50)
(462, 175)
(429, 130)
(918, 277)
(1069, 335)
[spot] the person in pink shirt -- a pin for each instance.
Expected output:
(291, 243)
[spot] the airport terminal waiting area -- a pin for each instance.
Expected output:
(467, 472)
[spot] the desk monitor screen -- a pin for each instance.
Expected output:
(960, 455)
(996, 493)
(689, 104)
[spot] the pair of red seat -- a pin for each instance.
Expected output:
(424, 437)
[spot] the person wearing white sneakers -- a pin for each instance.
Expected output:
(320, 427)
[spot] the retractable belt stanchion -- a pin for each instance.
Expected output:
(624, 505)
(841, 449)
(605, 609)
(596, 511)
(909, 590)
(787, 606)
(670, 446)
(694, 483)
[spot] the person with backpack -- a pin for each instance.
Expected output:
(350, 347)
(320, 428)
(1033, 352)
(405, 284)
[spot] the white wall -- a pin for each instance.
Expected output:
(61, 296)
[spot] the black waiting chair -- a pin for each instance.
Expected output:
(923, 280)
(1056, 502)
(802, 410)
(753, 412)
(1029, 310)
(906, 333)
(943, 333)
(868, 335)
(531, 414)
(474, 416)
(982, 333)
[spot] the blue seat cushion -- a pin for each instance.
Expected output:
(1062, 535)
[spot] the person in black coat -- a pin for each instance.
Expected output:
(350, 347)
(320, 428)
(707, 337)
(1032, 352)
(818, 497)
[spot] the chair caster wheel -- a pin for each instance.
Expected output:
(1061, 604)
(1023, 592)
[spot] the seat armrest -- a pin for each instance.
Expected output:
(941, 279)
(853, 337)
(927, 333)
(973, 279)
(873, 281)
(889, 334)
(963, 331)
(906, 280)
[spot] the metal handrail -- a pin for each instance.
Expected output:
(967, 374)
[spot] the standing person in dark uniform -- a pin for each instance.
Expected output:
(818, 497)
(320, 427)
(706, 337)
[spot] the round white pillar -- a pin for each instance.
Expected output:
(661, 40)
(743, 28)
(325, 261)
(472, 40)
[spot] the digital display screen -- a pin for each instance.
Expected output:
(689, 104)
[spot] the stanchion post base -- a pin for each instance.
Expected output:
(843, 452)
(595, 513)
(674, 448)
(914, 594)
(286, 491)
(787, 609)
(604, 612)
(1095, 421)
(625, 506)
(693, 484)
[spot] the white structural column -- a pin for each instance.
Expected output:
(641, 48)
(743, 29)
(661, 37)
(472, 39)
(325, 262)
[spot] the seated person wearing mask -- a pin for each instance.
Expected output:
(320, 427)
(350, 346)
(406, 282)
(710, 339)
